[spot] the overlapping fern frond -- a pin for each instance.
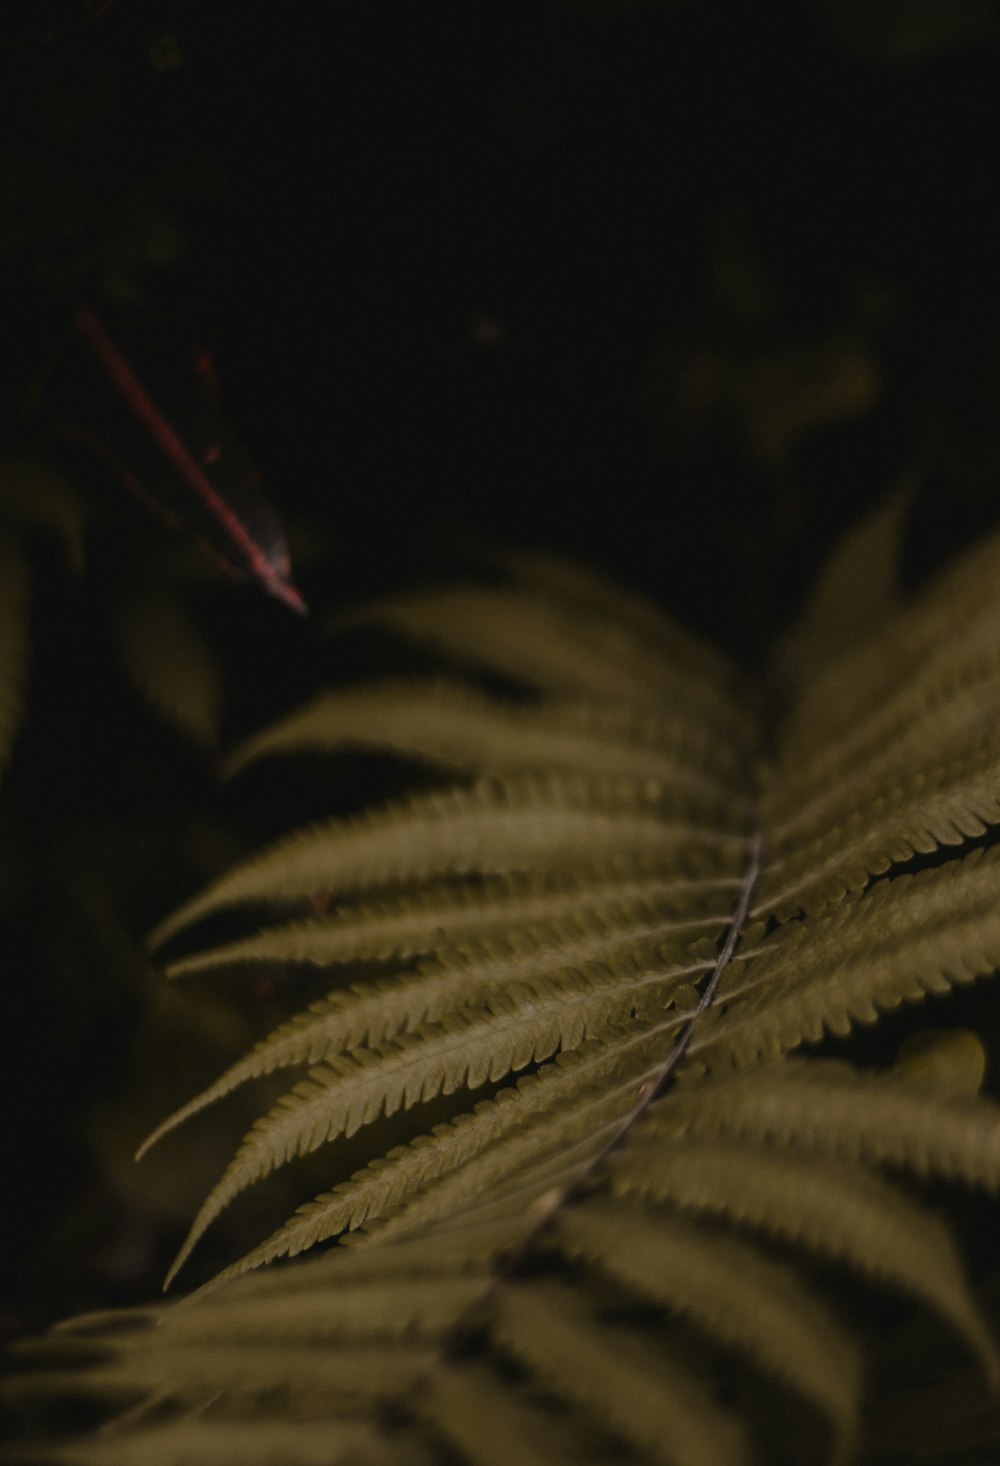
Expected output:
(627, 1240)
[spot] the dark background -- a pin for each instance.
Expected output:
(680, 288)
(440, 244)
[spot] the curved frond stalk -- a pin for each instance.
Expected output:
(460, 727)
(905, 938)
(497, 825)
(731, 1291)
(565, 1186)
(432, 918)
(845, 1213)
(566, 1183)
(551, 1125)
(456, 981)
(825, 1108)
(14, 639)
(521, 1027)
(641, 1392)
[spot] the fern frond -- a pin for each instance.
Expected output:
(566, 912)
(903, 721)
(552, 1112)
(730, 1290)
(645, 1395)
(496, 825)
(830, 1109)
(459, 727)
(930, 740)
(459, 979)
(432, 918)
(358, 1307)
(477, 1413)
(559, 647)
(855, 595)
(905, 938)
(932, 807)
(844, 1213)
(316, 1441)
(487, 1232)
(942, 642)
(578, 586)
(520, 1027)
(246, 1369)
(930, 758)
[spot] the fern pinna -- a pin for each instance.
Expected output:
(654, 1228)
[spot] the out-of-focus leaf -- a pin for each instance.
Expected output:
(170, 661)
(34, 495)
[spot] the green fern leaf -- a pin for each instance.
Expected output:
(461, 728)
(830, 1109)
(497, 825)
(558, 646)
(730, 1290)
(857, 592)
(646, 1396)
(433, 918)
(839, 1212)
(477, 1414)
(945, 641)
(580, 587)
(561, 1111)
(358, 1307)
(461, 979)
(525, 1279)
(317, 1441)
(195, 1368)
(917, 816)
(357, 1088)
(903, 939)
